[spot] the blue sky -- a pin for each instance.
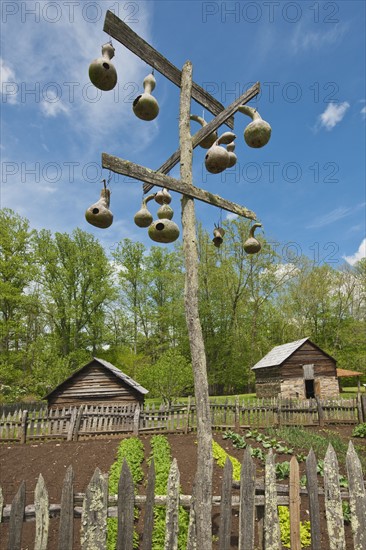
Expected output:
(307, 186)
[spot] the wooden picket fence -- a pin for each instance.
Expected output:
(90, 421)
(258, 501)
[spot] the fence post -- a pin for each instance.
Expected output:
(237, 413)
(279, 410)
(320, 412)
(23, 432)
(188, 413)
(71, 429)
(360, 413)
(77, 423)
(136, 420)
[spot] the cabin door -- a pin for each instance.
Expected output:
(309, 389)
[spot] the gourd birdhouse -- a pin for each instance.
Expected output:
(251, 245)
(219, 232)
(145, 105)
(98, 214)
(102, 72)
(211, 138)
(232, 156)
(143, 218)
(163, 231)
(163, 197)
(258, 132)
(217, 158)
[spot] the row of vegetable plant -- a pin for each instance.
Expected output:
(161, 453)
(131, 450)
(220, 455)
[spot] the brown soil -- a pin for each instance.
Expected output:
(26, 462)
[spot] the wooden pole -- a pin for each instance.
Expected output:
(204, 433)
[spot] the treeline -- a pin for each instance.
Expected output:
(63, 300)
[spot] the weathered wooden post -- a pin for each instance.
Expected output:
(204, 440)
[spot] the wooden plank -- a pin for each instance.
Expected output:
(66, 528)
(272, 536)
(125, 509)
(16, 519)
(172, 508)
(72, 422)
(23, 429)
(206, 130)
(333, 503)
(247, 501)
(294, 496)
(149, 509)
(126, 36)
(357, 498)
(77, 423)
(192, 526)
(140, 173)
(41, 503)
(136, 421)
(225, 509)
(93, 534)
(313, 492)
(1, 503)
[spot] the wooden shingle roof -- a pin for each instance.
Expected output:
(114, 370)
(279, 354)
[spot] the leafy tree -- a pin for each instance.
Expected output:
(20, 321)
(170, 377)
(76, 279)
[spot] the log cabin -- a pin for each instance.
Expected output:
(299, 370)
(97, 383)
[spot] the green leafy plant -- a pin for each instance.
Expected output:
(161, 454)
(347, 514)
(284, 519)
(360, 430)
(220, 456)
(131, 450)
(282, 470)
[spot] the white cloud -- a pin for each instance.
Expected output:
(9, 87)
(363, 112)
(331, 217)
(333, 114)
(53, 105)
(304, 39)
(357, 256)
(231, 216)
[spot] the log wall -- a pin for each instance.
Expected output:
(93, 385)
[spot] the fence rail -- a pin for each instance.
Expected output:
(88, 421)
(257, 500)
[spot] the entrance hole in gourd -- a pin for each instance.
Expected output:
(136, 100)
(106, 65)
(160, 226)
(95, 210)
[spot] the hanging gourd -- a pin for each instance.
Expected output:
(251, 245)
(218, 232)
(211, 138)
(165, 211)
(98, 214)
(217, 158)
(163, 231)
(145, 105)
(232, 156)
(102, 72)
(143, 218)
(258, 132)
(163, 196)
